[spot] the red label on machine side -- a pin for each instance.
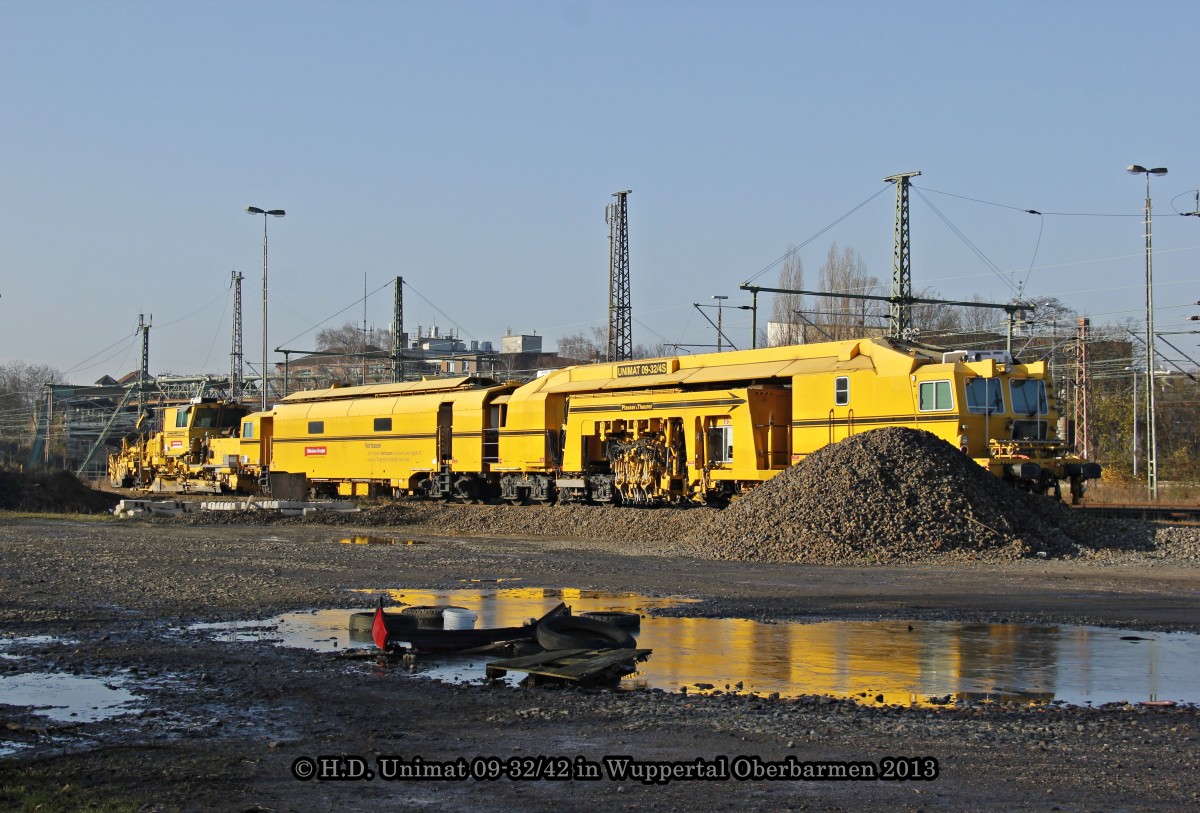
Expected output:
(314, 451)
(177, 444)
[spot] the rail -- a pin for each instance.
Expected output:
(1183, 514)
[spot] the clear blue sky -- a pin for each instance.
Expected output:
(471, 147)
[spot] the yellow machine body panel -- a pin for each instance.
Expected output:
(394, 435)
(529, 437)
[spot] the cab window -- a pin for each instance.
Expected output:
(841, 390)
(984, 396)
(316, 427)
(720, 444)
(181, 416)
(248, 429)
(935, 396)
(1028, 396)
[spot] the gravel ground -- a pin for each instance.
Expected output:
(223, 721)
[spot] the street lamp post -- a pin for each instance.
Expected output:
(254, 210)
(1151, 435)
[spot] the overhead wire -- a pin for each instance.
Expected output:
(966, 241)
(424, 299)
(795, 249)
(80, 366)
(220, 327)
(193, 313)
(1195, 192)
(353, 304)
(1033, 259)
(645, 326)
(121, 365)
(1028, 211)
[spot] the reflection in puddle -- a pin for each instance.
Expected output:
(874, 662)
(378, 540)
(65, 698)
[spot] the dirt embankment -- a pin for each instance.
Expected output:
(51, 491)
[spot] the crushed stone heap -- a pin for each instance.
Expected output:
(893, 494)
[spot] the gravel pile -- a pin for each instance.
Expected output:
(1177, 542)
(895, 495)
(55, 491)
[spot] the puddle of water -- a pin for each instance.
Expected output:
(877, 662)
(66, 698)
(378, 540)
(328, 630)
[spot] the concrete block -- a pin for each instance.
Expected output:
(223, 505)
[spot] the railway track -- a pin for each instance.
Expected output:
(1182, 514)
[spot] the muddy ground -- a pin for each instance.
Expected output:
(221, 723)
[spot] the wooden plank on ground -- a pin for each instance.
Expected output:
(526, 662)
(584, 668)
(574, 665)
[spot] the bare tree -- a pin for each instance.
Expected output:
(652, 351)
(1050, 316)
(364, 356)
(586, 349)
(349, 338)
(933, 320)
(786, 308)
(847, 318)
(980, 320)
(583, 348)
(21, 393)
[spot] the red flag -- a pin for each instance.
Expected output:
(379, 629)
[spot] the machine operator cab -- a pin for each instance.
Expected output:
(188, 430)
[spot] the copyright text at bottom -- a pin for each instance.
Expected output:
(618, 768)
